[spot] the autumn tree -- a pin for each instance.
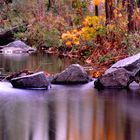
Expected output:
(41, 8)
(51, 3)
(124, 2)
(109, 10)
(130, 10)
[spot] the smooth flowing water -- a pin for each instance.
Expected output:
(77, 112)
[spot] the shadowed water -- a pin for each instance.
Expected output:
(77, 112)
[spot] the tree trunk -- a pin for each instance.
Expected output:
(130, 10)
(96, 10)
(106, 10)
(138, 3)
(109, 10)
(124, 2)
(51, 3)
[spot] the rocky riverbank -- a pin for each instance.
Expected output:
(119, 75)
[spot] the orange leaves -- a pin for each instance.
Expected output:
(95, 71)
(97, 2)
(104, 56)
(95, 74)
(68, 43)
(99, 68)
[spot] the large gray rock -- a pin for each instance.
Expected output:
(120, 78)
(122, 73)
(73, 74)
(131, 64)
(36, 80)
(16, 47)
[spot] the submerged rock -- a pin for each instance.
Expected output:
(16, 47)
(73, 74)
(120, 78)
(36, 80)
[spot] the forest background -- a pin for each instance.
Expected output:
(100, 32)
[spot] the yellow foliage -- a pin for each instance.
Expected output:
(68, 43)
(77, 43)
(90, 28)
(88, 33)
(91, 21)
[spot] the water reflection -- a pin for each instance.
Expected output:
(69, 113)
(33, 62)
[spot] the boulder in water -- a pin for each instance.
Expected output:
(121, 74)
(36, 80)
(16, 47)
(120, 78)
(71, 75)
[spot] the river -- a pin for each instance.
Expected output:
(34, 62)
(77, 112)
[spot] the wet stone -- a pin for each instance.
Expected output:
(36, 80)
(121, 74)
(74, 74)
(16, 47)
(120, 78)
